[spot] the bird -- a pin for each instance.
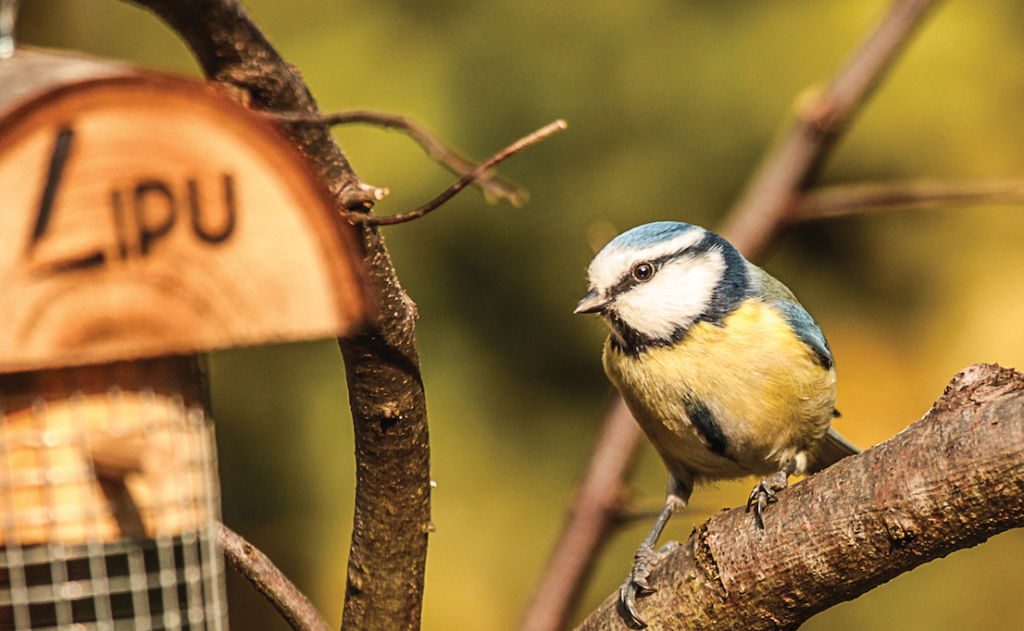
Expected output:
(722, 368)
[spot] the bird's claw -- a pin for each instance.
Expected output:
(627, 598)
(637, 584)
(765, 493)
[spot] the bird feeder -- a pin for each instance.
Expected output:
(144, 219)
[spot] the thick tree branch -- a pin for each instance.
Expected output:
(793, 166)
(293, 606)
(764, 211)
(949, 481)
(493, 186)
(392, 512)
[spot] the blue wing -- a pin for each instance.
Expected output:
(774, 293)
(806, 329)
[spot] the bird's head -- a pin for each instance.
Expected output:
(654, 282)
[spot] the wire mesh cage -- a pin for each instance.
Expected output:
(108, 510)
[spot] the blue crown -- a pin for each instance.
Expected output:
(648, 234)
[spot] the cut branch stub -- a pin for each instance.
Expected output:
(146, 215)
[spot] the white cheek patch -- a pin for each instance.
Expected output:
(679, 293)
(611, 264)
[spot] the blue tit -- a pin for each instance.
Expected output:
(722, 368)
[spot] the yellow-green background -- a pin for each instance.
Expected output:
(669, 104)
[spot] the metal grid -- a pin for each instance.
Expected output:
(84, 549)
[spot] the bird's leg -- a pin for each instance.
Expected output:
(764, 492)
(646, 557)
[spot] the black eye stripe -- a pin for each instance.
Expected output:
(628, 281)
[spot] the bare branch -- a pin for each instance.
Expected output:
(598, 502)
(839, 201)
(949, 481)
(269, 581)
(794, 164)
(494, 187)
(454, 189)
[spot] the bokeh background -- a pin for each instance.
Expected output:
(670, 104)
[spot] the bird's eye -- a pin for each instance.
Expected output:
(642, 271)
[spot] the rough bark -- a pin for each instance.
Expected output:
(949, 481)
(392, 511)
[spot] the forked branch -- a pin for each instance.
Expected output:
(493, 186)
(793, 166)
(466, 180)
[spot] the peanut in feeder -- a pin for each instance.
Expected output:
(144, 218)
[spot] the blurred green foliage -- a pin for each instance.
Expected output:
(670, 105)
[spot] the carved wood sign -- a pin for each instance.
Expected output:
(145, 215)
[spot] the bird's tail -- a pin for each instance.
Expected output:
(833, 448)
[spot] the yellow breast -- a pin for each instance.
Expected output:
(757, 382)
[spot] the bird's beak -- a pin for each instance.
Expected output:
(591, 303)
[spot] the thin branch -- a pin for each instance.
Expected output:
(293, 606)
(794, 164)
(598, 502)
(949, 481)
(494, 187)
(840, 201)
(755, 221)
(454, 189)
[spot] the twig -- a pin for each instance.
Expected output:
(949, 481)
(269, 581)
(839, 201)
(755, 222)
(493, 186)
(435, 203)
(793, 166)
(598, 502)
